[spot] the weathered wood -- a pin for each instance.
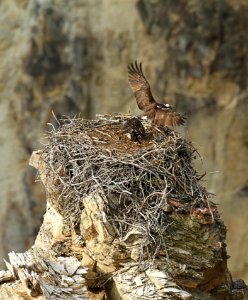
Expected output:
(53, 277)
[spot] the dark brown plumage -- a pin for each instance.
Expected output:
(135, 128)
(161, 114)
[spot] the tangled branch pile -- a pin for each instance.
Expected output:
(136, 180)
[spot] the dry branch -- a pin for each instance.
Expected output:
(135, 181)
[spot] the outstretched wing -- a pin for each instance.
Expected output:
(168, 118)
(140, 86)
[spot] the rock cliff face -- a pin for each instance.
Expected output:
(71, 56)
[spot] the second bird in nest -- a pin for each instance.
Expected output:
(135, 129)
(161, 114)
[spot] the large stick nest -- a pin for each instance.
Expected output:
(136, 179)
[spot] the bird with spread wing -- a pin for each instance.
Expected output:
(161, 114)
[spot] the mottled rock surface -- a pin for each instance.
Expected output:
(72, 56)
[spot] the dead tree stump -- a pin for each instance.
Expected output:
(124, 220)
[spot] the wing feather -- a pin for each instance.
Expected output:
(146, 102)
(168, 118)
(140, 86)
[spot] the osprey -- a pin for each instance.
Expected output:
(161, 114)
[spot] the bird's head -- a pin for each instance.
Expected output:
(165, 106)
